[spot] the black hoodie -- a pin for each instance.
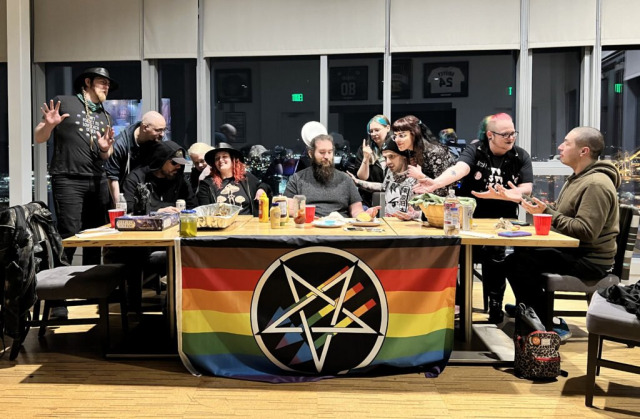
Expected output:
(164, 192)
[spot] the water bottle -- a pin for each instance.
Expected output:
(122, 203)
(451, 214)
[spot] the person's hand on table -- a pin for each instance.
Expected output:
(169, 210)
(535, 206)
(406, 216)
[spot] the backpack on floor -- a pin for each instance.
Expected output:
(537, 352)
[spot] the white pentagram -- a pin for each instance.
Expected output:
(342, 321)
(345, 278)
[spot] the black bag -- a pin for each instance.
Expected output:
(29, 242)
(537, 353)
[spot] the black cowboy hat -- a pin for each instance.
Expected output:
(210, 157)
(78, 83)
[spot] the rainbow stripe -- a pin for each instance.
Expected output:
(219, 277)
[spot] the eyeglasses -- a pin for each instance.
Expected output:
(175, 163)
(513, 134)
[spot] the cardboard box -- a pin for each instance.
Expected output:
(152, 222)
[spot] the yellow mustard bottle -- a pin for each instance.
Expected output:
(263, 208)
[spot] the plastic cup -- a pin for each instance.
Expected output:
(542, 223)
(310, 212)
(113, 214)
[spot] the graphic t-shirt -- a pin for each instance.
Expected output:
(75, 139)
(398, 190)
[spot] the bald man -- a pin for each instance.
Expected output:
(130, 149)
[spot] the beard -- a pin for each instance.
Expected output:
(101, 96)
(321, 172)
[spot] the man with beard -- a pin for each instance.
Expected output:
(130, 149)
(82, 141)
(325, 187)
(396, 185)
(164, 177)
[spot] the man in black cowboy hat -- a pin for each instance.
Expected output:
(165, 179)
(82, 141)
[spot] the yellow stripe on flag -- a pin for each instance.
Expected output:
(407, 325)
(215, 321)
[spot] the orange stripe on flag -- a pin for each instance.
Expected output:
(417, 279)
(222, 301)
(420, 302)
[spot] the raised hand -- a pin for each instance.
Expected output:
(51, 113)
(106, 141)
(367, 152)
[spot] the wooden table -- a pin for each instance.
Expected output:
(249, 226)
(485, 227)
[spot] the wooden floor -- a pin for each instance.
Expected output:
(63, 375)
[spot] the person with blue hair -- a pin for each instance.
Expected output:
(369, 159)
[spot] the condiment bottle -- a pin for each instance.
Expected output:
(451, 214)
(263, 208)
(281, 200)
(188, 223)
(275, 215)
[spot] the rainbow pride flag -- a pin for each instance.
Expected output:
(290, 309)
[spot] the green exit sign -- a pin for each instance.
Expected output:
(510, 90)
(297, 97)
(618, 87)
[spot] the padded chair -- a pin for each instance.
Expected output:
(608, 321)
(626, 240)
(81, 285)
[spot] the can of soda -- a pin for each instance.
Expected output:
(467, 217)
(181, 204)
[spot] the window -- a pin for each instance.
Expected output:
(177, 92)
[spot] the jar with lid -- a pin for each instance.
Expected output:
(281, 200)
(188, 223)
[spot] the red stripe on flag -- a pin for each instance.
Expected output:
(220, 279)
(417, 279)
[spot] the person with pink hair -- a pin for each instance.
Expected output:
(497, 171)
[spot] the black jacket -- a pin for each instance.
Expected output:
(208, 192)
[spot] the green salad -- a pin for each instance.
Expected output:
(431, 199)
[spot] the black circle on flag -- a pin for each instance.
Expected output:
(319, 310)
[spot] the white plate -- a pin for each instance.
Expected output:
(328, 223)
(372, 223)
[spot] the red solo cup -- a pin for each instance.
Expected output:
(542, 223)
(310, 212)
(113, 214)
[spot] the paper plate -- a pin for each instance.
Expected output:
(372, 223)
(328, 223)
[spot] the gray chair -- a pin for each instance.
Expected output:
(608, 321)
(626, 240)
(81, 285)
